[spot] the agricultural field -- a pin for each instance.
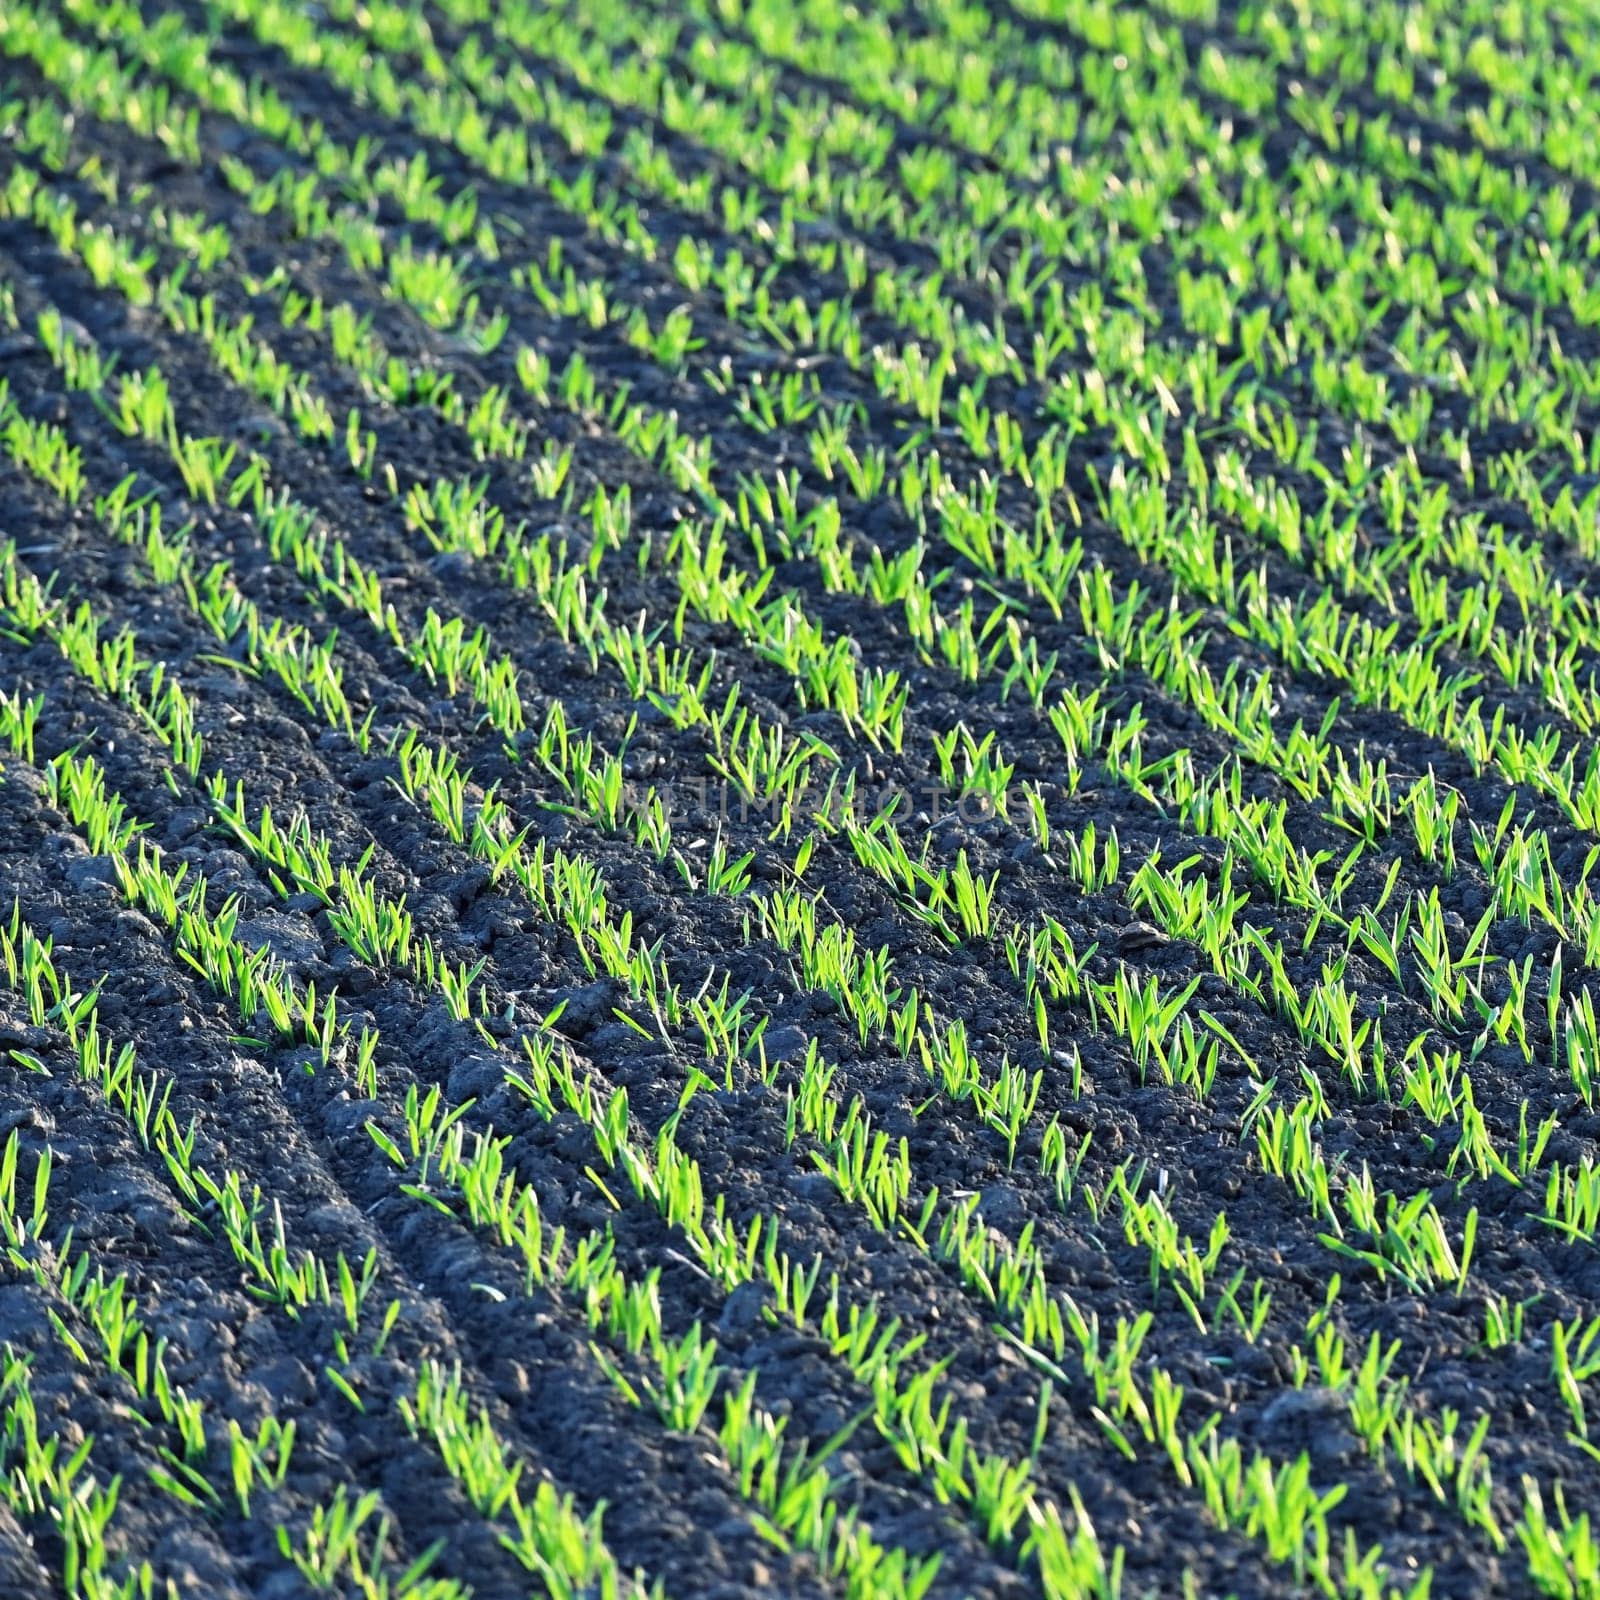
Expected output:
(799, 799)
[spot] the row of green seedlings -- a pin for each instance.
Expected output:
(454, 517)
(1436, 1218)
(1410, 1240)
(262, 994)
(867, 1169)
(573, 767)
(422, 185)
(300, 853)
(1431, 1220)
(1407, 1240)
(677, 1193)
(1511, 98)
(1323, 638)
(226, 614)
(63, 228)
(1525, 1045)
(400, 922)
(724, 58)
(971, 899)
(850, 143)
(1434, 1081)
(1275, 204)
(1525, 588)
(153, 426)
(482, 65)
(143, 405)
(852, 1126)
(385, 929)
(1564, 694)
(541, 1527)
(296, 1284)
(421, 1119)
(795, 1489)
(1431, 1453)
(79, 786)
(1036, 1093)
(744, 744)
(90, 1311)
(442, 648)
(377, 927)
(973, 760)
(1275, 1504)
(383, 924)
(871, 700)
(45, 1483)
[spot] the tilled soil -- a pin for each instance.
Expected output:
(673, 1508)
